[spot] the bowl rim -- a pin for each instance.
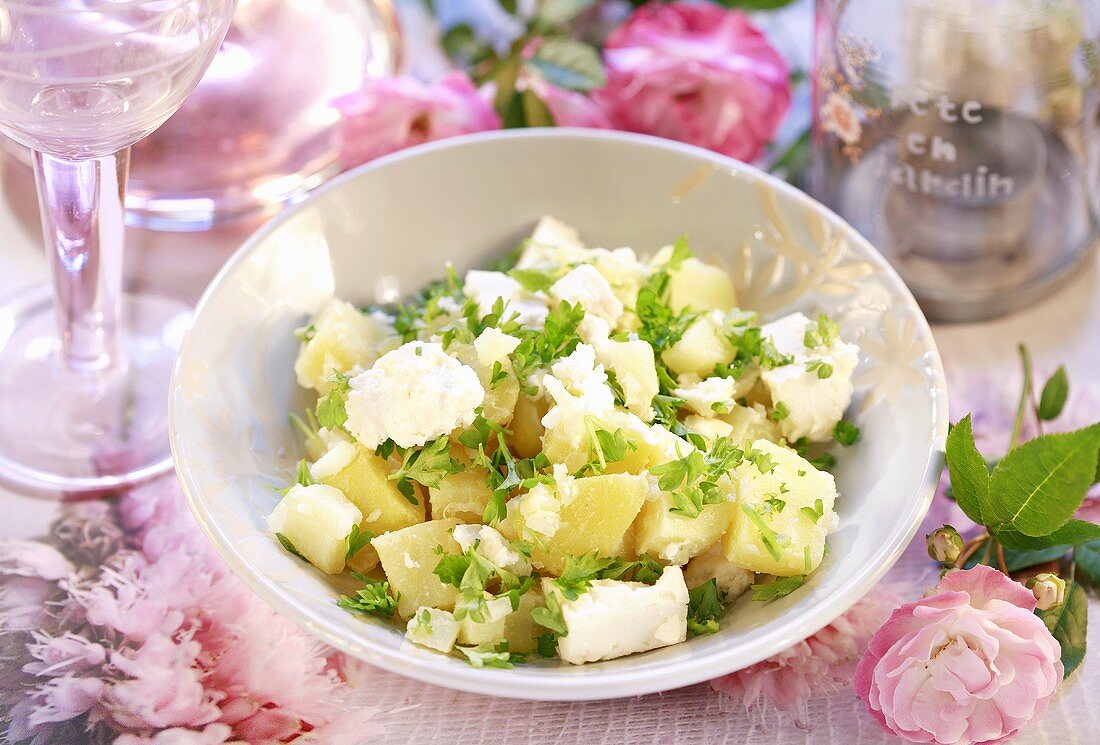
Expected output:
(606, 684)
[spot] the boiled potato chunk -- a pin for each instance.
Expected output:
(491, 628)
(462, 495)
(500, 401)
(526, 426)
(697, 284)
(520, 630)
(713, 564)
(771, 533)
(634, 367)
(409, 558)
(316, 519)
(673, 538)
(344, 338)
(597, 518)
(701, 347)
(701, 286)
(365, 483)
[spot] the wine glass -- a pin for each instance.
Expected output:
(84, 371)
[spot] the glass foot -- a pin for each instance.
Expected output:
(74, 434)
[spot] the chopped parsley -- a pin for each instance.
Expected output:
(821, 367)
(290, 546)
(779, 412)
(693, 479)
(534, 280)
(374, 599)
(846, 433)
(768, 537)
(705, 608)
(660, 326)
(816, 512)
(331, 412)
(604, 447)
(355, 541)
(779, 588)
(550, 617)
(821, 333)
(305, 333)
(428, 465)
(495, 655)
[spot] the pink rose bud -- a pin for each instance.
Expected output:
(1049, 590)
(944, 544)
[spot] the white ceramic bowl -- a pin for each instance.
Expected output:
(387, 228)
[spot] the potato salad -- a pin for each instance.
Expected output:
(577, 453)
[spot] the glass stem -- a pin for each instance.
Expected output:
(82, 220)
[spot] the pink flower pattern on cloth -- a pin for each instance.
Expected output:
(969, 664)
(697, 73)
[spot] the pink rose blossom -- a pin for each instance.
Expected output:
(697, 73)
(390, 114)
(969, 664)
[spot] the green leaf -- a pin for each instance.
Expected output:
(704, 608)
(1055, 393)
(289, 546)
(846, 433)
(579, 572)
(428, 465)
(533, 280)
(461, 42)
(1087, 556)
(1074, 531)
(569, 64)
(969, 475)
(1037, 486)
(355, 542)
(780, 588)
(492, 655)
(1068, 623)
(330, 410)
(374, 599)
(554, 13)
(550, 617)
(535, 111)
(451, 569)
(1017, 560)
(546, 644)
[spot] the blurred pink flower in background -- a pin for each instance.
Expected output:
(788, 680)
(394, 113)
(969, 664)
(697, 73)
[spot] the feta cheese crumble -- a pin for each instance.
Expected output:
(614, 618)
(485, 288)
(815, 403)
(412, 395)
(493, 345)
(586, 286)
(433, 628)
